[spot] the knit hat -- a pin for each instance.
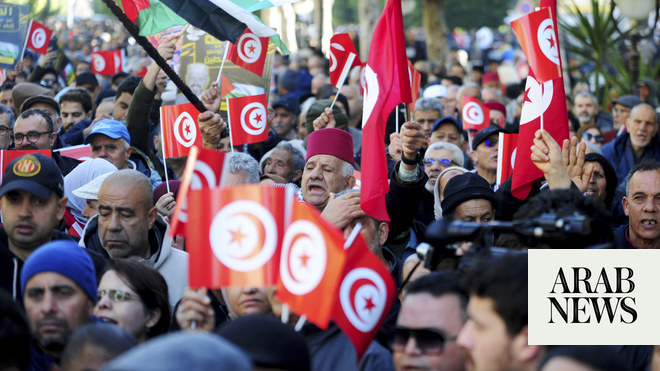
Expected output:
(269, 343)
(162, 189)
(318, 107)
(331, 141)
(66, 258)
(465, 187)
(34, 173)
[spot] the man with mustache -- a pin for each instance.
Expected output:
(638, 143)
(640, 205)
(58, 283)
(484, 153)
(438, 157)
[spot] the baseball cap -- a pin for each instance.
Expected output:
(87, 78)
(629, 101)
(111, 128)
(435, 91)
(447, 119)
(287, 103)
(34, 173)
(465, 187)
(483, 134)
(31, 101)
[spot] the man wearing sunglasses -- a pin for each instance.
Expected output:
(484, 153)
(431, 317)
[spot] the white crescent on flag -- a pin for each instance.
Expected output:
(99, 62)
(363, 295)
(185, 130)
(304, 257)
(248, 47)
(254, 118)
(536, 100)
(38, 39)
(547, 41)
(371, 91)
(243, 235)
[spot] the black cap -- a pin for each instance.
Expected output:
(287, 103)
(28, 103)
(447, 119)
(466, 187)
(483, 134)
(629, 101)
(34, 173)
(87, 78)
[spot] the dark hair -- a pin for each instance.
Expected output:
(440, 283)
(14, 334)
(128, 85)
(11, 116)
(568, 202)
(150, 287)
(599, 357)
(504, 281)
(113, 339)
(645, 165)
(38, 112)
(78, 95)
(7, 85)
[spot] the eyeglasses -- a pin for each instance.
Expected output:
(115, 296)
(4, 130)
(428, 340)
(589, 136)
(31, 136)
(429, 161)
(491, 142)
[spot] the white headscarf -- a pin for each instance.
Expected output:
(80, 176)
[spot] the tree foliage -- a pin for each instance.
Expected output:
(477, 13)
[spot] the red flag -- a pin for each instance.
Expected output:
(343, 57)
(544, 106)
(234, 236)
(82, 152)
(248, 119)
(536, 34)
(415, 81)
(366, 294)
(311, 264)
(38, 37)
(249, 52)
(180, 131)
(475, 115)
(506, 156)
(386, 85)
(107, 63)
(7, 155)
(203, 170)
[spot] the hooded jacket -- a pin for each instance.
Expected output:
(622, 156)
(170, 262)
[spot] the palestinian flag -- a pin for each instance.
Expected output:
(151, 16)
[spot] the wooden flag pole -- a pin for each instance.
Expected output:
(153, 53)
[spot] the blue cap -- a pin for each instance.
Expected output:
(110, 128)
(66, 258)
(447, 119)
(288, 103)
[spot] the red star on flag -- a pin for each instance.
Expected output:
(251, 48)
(369, 304)
(526, 98)
(551, 41)
(186, 128)
(257, 118)
(237, 236)
(304, 258)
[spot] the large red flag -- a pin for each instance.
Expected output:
(249, 52)
(38, 37)
(311, 264)
(475, 115)
(234, 236)
(366, 293)
(107, 63)
(203, 170)
(386, 85)
(343, 57)
(180, 131)
(506, 156)
(543, 104)
(536, 33)
(248, 119)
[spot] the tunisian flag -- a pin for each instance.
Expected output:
(536, 33)
(386, 85)
(180, 131)
(475, 115)
(506, 156)
(366, 294)
(107, 63)
(38, 37)
(311, 264)
(415, 82)
(343, 57)
(203, 170)
(543, 106)
(249, 52)
(234, 236)
(248, 119)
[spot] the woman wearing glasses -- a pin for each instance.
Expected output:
(133, 297)
(591, 134)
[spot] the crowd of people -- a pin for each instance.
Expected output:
(90, 276)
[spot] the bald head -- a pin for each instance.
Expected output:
(134, 181)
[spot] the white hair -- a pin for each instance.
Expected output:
(456, 153)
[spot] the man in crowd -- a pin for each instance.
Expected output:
(587, 111)
(427, 112)
(641, 207)
(467, 197)
(484, 154)
(7, 120)
(285, 111)
(438, 157)
(638, 143)
(284, 160)
(621, 108)
(75, 106)
(58, 283)
(432, 314)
